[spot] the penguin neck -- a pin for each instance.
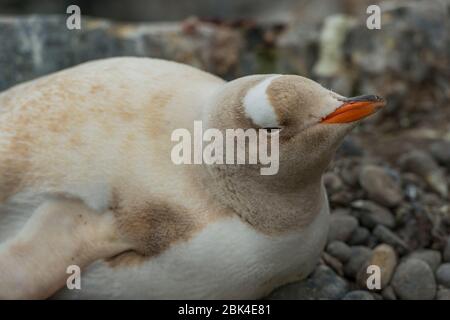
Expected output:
(266, 204)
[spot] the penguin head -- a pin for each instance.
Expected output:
(310, 120)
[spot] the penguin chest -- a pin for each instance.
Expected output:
(226, 260)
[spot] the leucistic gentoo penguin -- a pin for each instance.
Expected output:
(86, 179)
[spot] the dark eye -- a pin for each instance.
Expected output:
(270, 129)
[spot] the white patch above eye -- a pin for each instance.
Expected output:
(257, 105)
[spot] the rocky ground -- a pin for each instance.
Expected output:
(388, 185)
(393, 214)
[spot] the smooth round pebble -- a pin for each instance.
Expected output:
(446, 254)
(359, 236)
(431, 257)
(358, 295)
(380, 186)
(341, 227)
(414, 280)
(339, 250)
(359, 256)
(388, 293)
(443, 275)
(323, 284)
(443, 294)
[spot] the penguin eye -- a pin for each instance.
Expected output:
(270, 129)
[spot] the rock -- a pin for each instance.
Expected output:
(440, 150)
(339, 250)
(333, 263)
(341, 211)
(370, 214)
(443, 275)
(380, 186)
(385, 258)
(422, 164)
(443, 294)
(343, 197)
(384, 68)
(341, 227)
(388, 293)
(28, 41)
(414, 280)
(446, 254)
(349, 171)
(431, 257)
(323, 284)
(359, 236)
(332, 182)
(358, 258)
(358, 295)
(350, 148)
(387, 236)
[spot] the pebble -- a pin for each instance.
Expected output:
(388, 293)
(359, 236)
(359, 256)
(333, 182)
(446, 254)
(341, 227)
(385, 258)
(339, 250)
(443, 294)
(370, 214)
(440, 150)
(443, 275)
(387, 236)
(358, 295)
(431, 257)
(422, 164)
(333, 263)
(323, 284)
(350, 148)
(414, 280)
(380, 186)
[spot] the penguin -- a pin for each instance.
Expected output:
(87, 181)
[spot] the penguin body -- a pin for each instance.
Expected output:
(98, 138)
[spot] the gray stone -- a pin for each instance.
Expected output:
(440, 150)
(358, 295)
(422, 164)
(414, 280)
(431, 257)
(380, 186)
(387, 236)
(36, 45)
(359, 236)
(341, 227)
(370, 214)
(323, 284)
(443, 294)
(333, 263)
(339, 250)
(446, 254)
(359, 256)
(332, 182)
(443, 275)
(388, 293)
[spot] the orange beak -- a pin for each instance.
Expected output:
(355, 108)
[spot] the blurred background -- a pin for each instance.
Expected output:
(389, 182)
